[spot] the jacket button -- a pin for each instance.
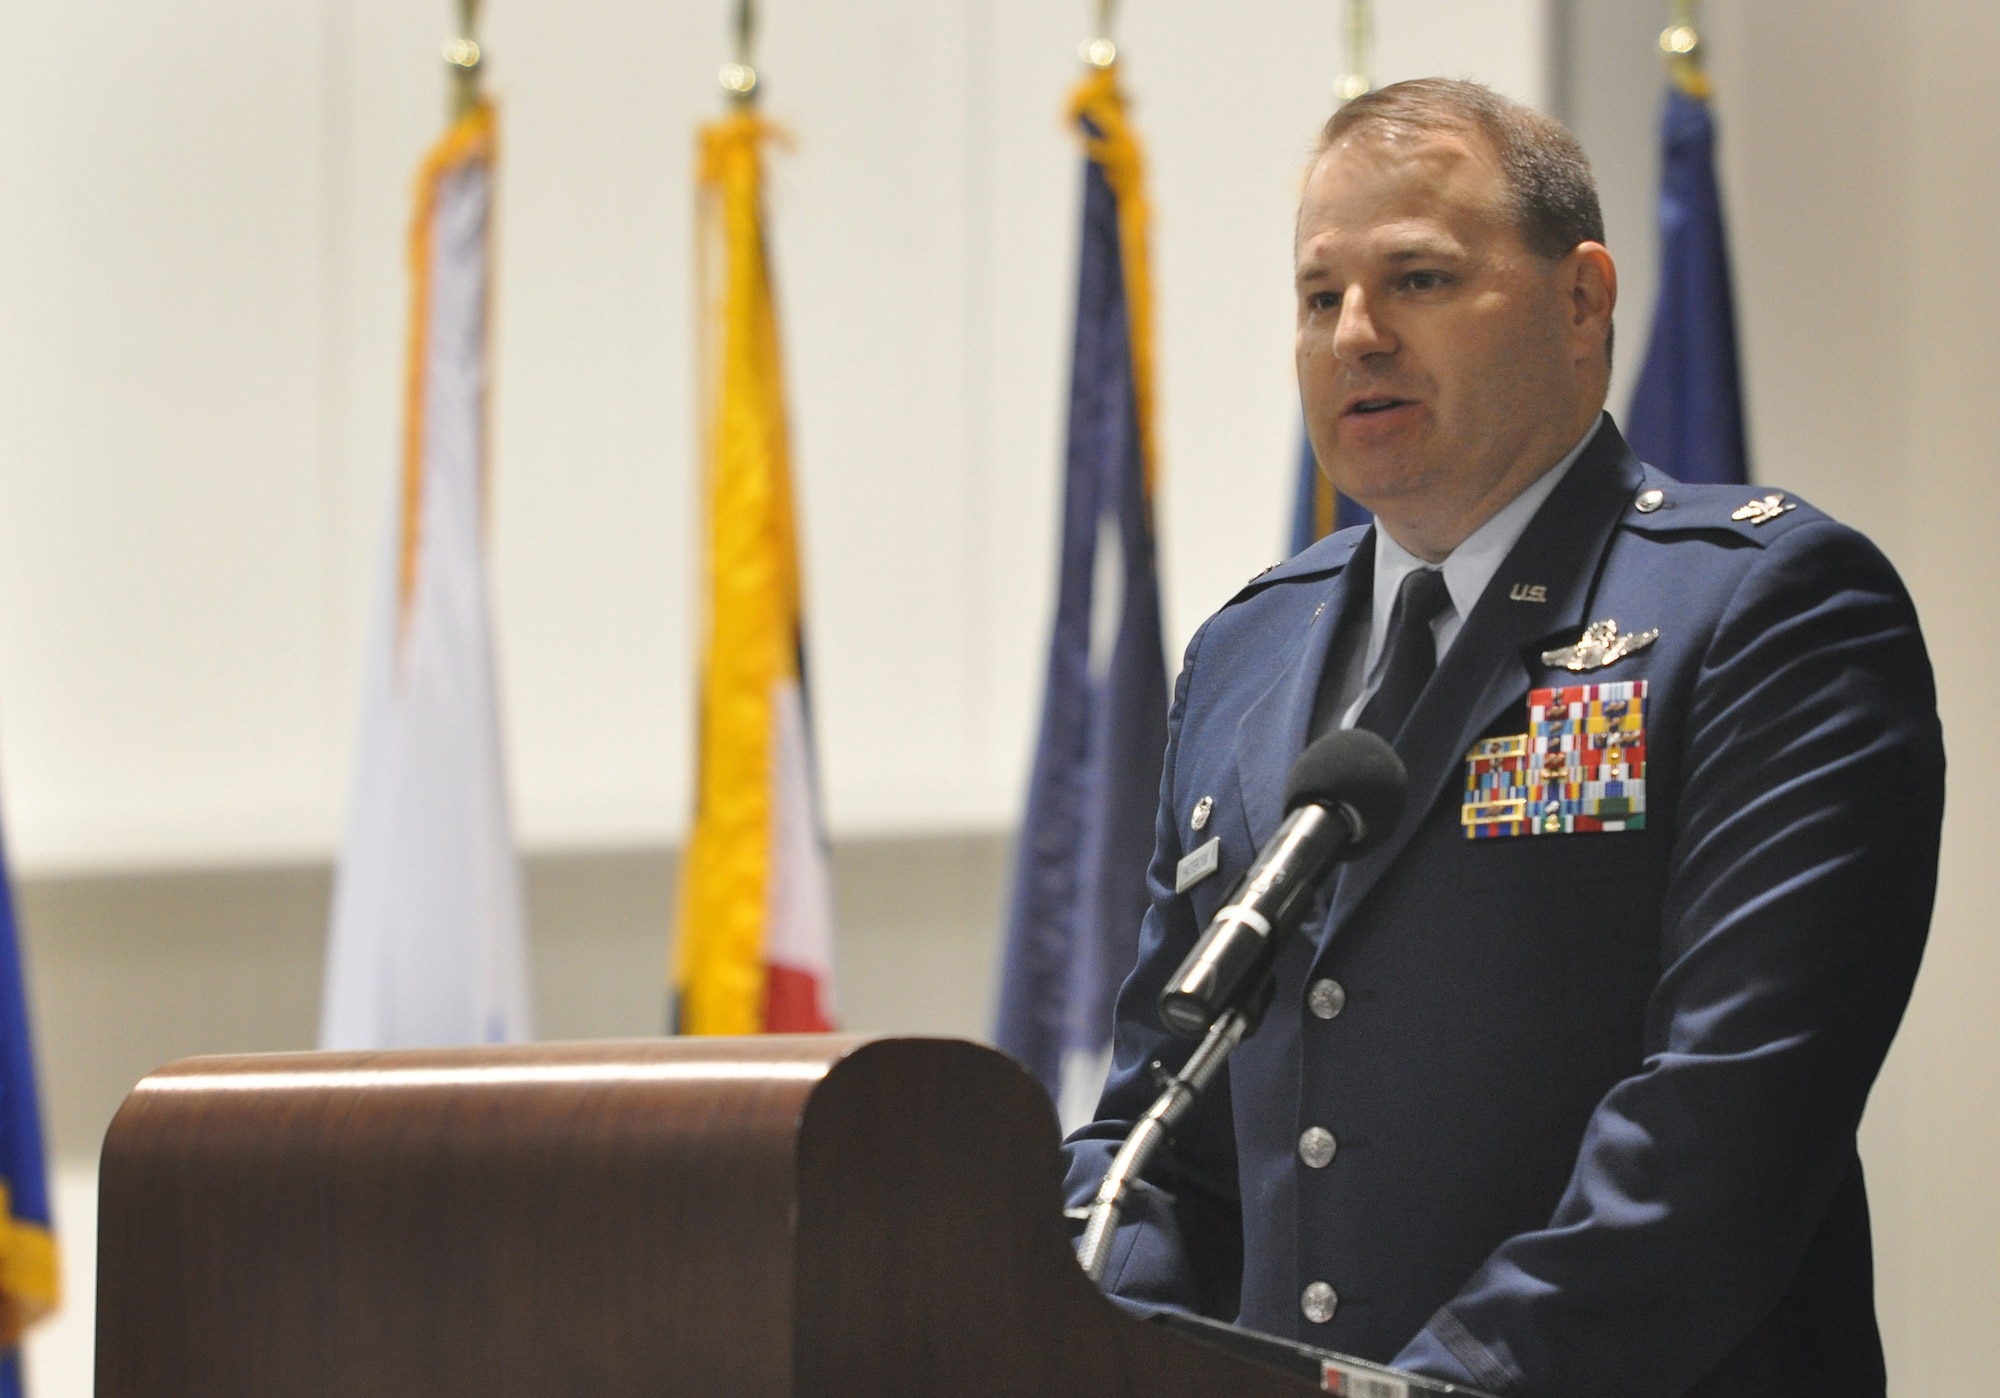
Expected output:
(1316, 1147)
(1327, 998)
(1319, 1303)
(1649, 501)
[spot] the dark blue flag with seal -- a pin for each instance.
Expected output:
(1687, 410)
(1079, 888)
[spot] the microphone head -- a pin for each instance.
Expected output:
(1355, 768)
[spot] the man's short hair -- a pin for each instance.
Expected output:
(1553, 197)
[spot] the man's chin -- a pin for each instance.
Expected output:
(1387, 470)
(1380, 488)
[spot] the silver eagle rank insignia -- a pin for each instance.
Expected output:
(1599, 646)
(1763, 511)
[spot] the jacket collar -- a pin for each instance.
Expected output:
(1272, 731)
(1331, 554)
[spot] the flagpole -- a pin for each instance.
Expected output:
(1681, 42)
(739, 78)
(462, 55)
(1099, 51)
(1360, 51)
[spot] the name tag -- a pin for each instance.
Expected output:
(1197, 866)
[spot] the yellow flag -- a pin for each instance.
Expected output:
(754, 949)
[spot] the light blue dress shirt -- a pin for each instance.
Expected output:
(1466, 571)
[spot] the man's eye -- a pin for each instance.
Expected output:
(1424, 281)
(1323, 301)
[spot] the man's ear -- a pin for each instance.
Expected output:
(1590, 284)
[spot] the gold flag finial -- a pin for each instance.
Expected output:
(1099, 51)
(1681, 42)
(739, 78)
(463, 57)
(1360, 51)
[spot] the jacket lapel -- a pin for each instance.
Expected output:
(1272, 731)
(1486, 668)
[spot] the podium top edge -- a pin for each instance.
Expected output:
(767, 1057)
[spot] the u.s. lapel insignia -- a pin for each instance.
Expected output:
(1579, 769)
(1600, 645)
(1199, 818)
(1766, 509)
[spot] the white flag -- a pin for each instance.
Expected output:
(428, 944)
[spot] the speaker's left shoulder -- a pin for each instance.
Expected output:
(1756, 514)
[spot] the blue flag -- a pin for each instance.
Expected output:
(1687, 411)
(1087, 837)
(1317, 508)
(27, 1239)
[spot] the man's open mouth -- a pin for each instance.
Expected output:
(1377, 405)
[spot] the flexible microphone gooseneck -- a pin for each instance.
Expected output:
(1344, 794)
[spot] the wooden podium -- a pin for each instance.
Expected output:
(775, 1216)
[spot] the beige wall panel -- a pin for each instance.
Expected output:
(167, 680)
(1819, 198)
(1864, 205)
(207, 292)
(128, 972)
(1942, 1133)
(593, 408)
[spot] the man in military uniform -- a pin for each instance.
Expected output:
(1559, 1088)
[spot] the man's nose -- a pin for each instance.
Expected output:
(1359, 333)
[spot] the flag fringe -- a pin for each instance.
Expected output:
(1097, 109)
(472, 139)
(29, 1274)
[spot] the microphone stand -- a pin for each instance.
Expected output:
(1093, 1251)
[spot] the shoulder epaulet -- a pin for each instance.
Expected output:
(1757, 512)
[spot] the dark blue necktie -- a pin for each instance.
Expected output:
(1412, 653)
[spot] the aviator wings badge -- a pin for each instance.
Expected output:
(1601, 645)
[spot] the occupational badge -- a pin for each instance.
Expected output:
(1580, 768)
(1599, 646)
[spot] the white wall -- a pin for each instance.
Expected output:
(201, 270)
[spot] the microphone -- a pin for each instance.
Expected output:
(1343, 795)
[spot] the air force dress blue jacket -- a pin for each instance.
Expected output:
(1568, 1113)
